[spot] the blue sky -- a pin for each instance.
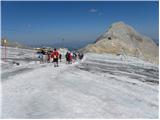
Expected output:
(78, 23)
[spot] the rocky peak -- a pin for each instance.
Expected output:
(121, 38)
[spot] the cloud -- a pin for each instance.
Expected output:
(93, 10)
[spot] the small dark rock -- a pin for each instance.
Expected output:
(17, 63)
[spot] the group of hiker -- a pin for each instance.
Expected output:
(73, 56)
(55, 56)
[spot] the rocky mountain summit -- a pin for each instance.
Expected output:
(122, 39)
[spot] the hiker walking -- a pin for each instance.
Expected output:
(80, 56)
(66, 56)
(69, 58)
(44, 57)
(55, 55)
(60, 56)
(74, 56)
(40, 56)
(49, 56)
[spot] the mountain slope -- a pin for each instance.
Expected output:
(123, 39)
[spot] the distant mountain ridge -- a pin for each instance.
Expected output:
(121, 38)
(14, 44)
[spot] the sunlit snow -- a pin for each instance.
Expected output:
(99, 86)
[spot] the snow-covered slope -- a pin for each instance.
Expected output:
(99, 86)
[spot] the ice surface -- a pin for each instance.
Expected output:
(99, 86)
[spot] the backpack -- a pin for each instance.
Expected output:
(54, 56)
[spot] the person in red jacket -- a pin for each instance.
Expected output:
(55, 56)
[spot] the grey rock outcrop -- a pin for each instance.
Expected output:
(123, 39)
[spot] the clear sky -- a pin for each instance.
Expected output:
(78, 23)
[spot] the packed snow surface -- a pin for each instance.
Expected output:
(99, 86)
